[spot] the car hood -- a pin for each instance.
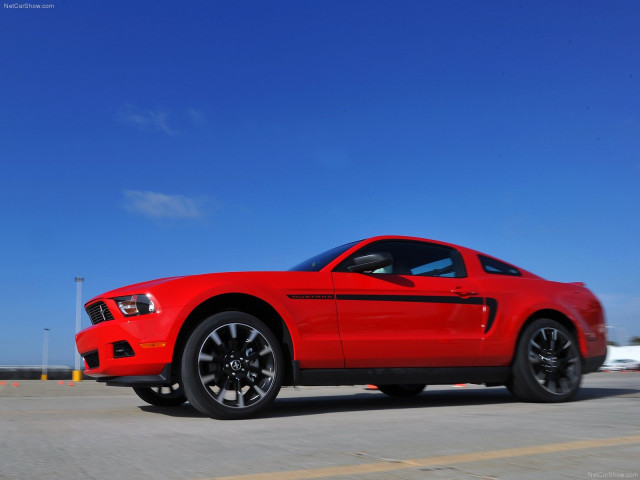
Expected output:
(134, 288)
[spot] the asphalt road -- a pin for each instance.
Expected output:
(52, 430)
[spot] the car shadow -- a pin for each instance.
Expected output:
(591, 393)
(367, 401)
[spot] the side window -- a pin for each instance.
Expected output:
(496, 267)
(415, 258)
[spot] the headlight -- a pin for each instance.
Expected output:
(135, 305)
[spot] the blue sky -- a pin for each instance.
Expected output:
(148, 139)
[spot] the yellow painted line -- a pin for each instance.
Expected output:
(442, 460)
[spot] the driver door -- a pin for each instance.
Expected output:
(420, 311)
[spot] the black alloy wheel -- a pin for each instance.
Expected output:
(402, 390)
(165, 396)
(547, 365)
(232, 366)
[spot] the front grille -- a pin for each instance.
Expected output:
(92, 360)
(98, 312)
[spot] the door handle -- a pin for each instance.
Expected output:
(464, 293)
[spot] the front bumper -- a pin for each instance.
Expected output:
(164, 378)
(590, 365)
(133, 346)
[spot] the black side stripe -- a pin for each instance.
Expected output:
(491, 303)
(414, 298)
(312, 296)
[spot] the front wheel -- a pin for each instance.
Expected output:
(232, 366)
(166, 396)
(547, 365)
(402, 390)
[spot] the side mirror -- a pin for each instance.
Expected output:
(370, 262)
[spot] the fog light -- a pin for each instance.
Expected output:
(122, 350)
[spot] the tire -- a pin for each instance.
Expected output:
(402, 390)
(547, 366)
(166, 396)
(232, 366)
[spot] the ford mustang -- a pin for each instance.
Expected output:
(396, 312)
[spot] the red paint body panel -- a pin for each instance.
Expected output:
(406, 333)
(339, 319)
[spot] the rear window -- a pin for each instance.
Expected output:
(496, 267)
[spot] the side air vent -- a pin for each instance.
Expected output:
(91, 359)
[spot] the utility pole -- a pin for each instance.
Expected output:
(45, 354)
(77, 373)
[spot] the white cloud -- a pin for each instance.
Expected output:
(160, 205)
(146, 119)
(196, 117)
(160, 120)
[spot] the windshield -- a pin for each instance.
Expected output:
(317, 263)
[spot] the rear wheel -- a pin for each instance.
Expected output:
(232, 366)
(166, 396)
(547, 364)
(402, 390)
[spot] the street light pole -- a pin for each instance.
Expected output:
(77, 373)
(45, 354)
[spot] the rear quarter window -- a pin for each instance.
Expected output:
(496, 267)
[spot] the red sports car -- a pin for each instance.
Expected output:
(397, 312)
